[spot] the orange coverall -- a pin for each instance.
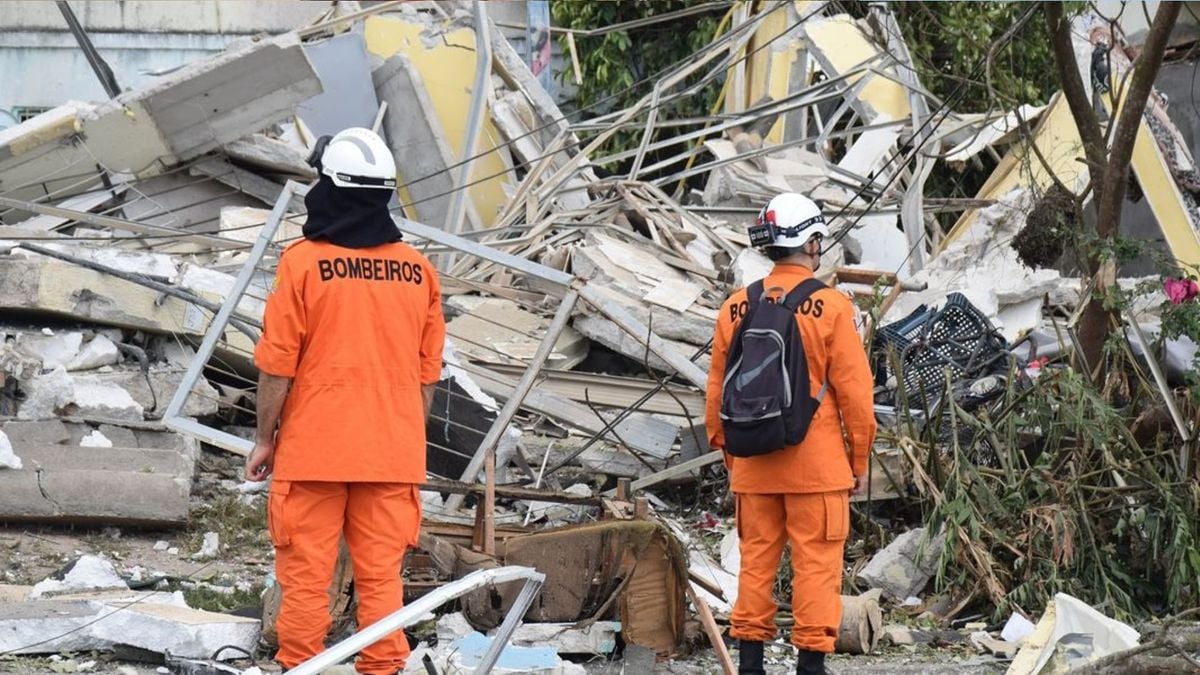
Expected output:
(358, 331)
(799, 493)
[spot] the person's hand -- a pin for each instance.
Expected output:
(260, 462)
(860, 484)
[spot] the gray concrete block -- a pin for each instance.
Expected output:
(117, 486)
(903, 568)
(421, 148)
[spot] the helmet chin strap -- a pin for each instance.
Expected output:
(816, 256)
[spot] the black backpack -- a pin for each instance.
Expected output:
(765, 400)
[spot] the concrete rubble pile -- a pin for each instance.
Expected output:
(110, 279)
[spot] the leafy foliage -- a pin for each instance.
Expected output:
(614, 64)
(1082, 503)
(947, 39)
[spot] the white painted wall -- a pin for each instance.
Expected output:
(41, 65)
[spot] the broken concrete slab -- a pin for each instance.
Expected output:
(24, 627)
(40, 432)
(692, 327)
(217, 285)
(412, 124)
(157, 622)
(86, 573)
(497, 330)
(59, 393)
(903, 568)
(8, 457)
(95, 440)
(180, 630)
(272, 155)
(177, 117)
(52, 349)
(110, 486)
(160, 266)
(427, 80)
(244, 223)
(153, 389)
(609, 334)
(59, 289)
(74, 349)
(222, 99)
(97, 352)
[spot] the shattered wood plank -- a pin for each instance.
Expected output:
(713, 632)
(510, 492)
(611, 391)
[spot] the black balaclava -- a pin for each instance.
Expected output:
(349, 217)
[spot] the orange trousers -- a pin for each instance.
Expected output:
(816, 525)
(380, 522)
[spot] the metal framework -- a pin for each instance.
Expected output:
(568, 289)
(412, 612)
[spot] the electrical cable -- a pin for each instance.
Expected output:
(941, 118)
(728, 37)
(575, 144)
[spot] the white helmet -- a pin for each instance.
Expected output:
(788, 221)
(355, 158)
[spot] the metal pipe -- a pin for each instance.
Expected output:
(479, 97)
(120, 223)
(216, 329)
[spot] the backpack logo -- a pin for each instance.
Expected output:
(766, 401)
(749, 376)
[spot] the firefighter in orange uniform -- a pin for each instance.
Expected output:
(349, 357)
(800, 493)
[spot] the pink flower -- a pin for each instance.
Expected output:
(1180, 290)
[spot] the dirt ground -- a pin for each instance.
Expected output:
(234, 580)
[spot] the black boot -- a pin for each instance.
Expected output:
(810, 663)
(750, 658)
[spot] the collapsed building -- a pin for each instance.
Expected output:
(140, 237)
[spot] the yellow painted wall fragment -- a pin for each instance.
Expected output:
(769, 69)
(1057, 137)
(842, 43)
(1162, 193)
(447, 69)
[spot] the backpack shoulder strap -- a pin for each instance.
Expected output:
(754, 292)
(802, 292)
